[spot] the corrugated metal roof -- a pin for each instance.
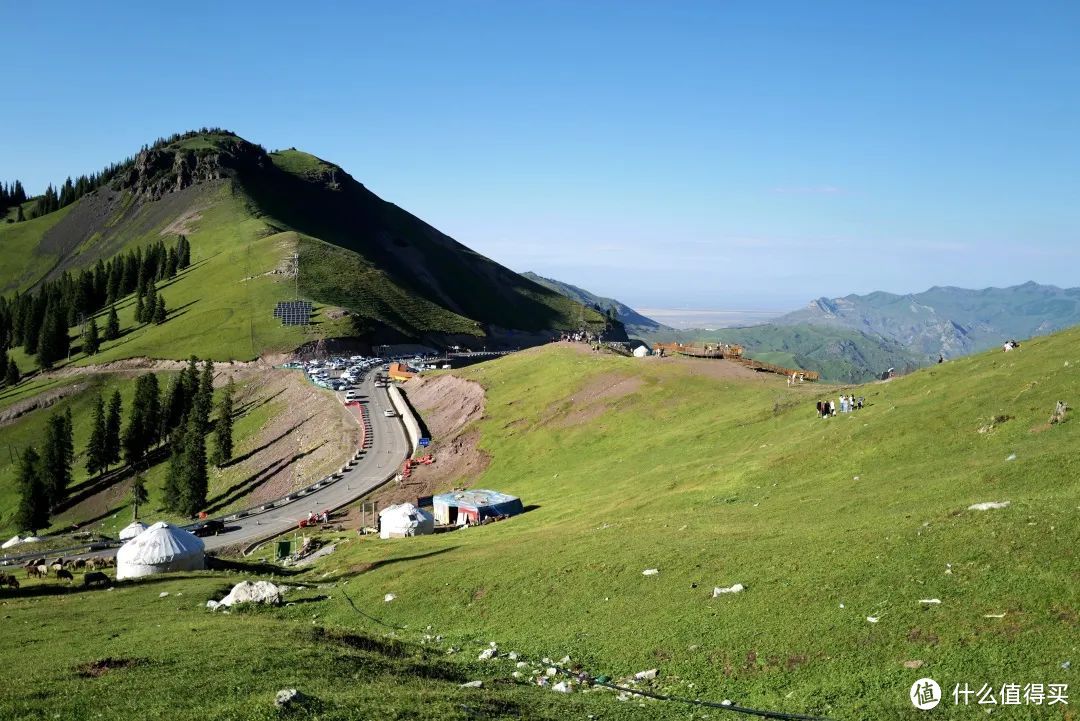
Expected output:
(476, 497)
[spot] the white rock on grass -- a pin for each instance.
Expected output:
(646, 675)
(737, 588)
(487, 654)
(561, 687)
(163, 594)
(930, 601)
(251, 592)
(650, 572)
(473, 684)
(286, 697)
(388, 597)
(988, 506)
(872, 619)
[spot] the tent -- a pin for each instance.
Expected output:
(473, 506)
(132, 530)
(161, 548)
(405, 520)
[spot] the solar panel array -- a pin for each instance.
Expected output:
(293, 312)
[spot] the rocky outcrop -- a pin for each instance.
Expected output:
(158, 171)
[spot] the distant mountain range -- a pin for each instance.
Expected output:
(634, 322)
(857, 337)
(952, 321)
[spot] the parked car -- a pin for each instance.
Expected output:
(389, 413)
(209, 527)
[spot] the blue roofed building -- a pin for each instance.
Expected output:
(474, 506)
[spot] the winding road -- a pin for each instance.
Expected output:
(377, 465)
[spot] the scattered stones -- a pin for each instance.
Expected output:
(646, 675)
(472, 684)
(650, 572)
(988, 505)
(562, 687)
(737, 588)
(487, 654)
(513, 656)
(286, 697)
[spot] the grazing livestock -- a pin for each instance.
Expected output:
(9, 580)
(94, 579)
(80, 563)
(63, 574)
(43, 571)
(57, 567)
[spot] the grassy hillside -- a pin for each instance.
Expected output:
(630, 465)
(246, 212)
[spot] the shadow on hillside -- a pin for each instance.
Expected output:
(249, 407)
(263, 447)
(83, 525)
(254, 481)
(52, 587)
(93, 486)
(362, 568)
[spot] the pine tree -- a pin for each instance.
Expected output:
(204, 397)
(195, 479)
(11, 375)
(183, 253)
(176, 404)
(140, 309)
(143, 428)
(223, 440)
(112, 430)
(97, 450)
(160, 314)
(56, 457)
(176, 476)
(33, 510)
(53, 343)
(171, 263)
(91, 341)
(112, 325)
(19, 215)
(139, 496)
(149, 303)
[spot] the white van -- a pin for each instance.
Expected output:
(350, 395)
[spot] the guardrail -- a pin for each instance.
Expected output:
(412, 428)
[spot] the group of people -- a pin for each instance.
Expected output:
(847, 405)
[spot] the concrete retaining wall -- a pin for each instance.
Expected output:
(412, 428)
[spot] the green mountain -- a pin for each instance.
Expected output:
(634, 322)
(374, 270)
(952, 321)
(839, 354)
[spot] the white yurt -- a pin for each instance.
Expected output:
(161, 548)
(405, 520)
(132, 530)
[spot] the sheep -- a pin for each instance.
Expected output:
(64, 574)
(9, 580)
(94, 578)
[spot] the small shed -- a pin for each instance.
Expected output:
(132, 530)
(161, 548)
(404, 520)
(473, 506)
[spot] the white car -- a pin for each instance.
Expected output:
(389, 413)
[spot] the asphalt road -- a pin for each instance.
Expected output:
(389, 448)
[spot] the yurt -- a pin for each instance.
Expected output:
(132, 530)
(161, 548)
(405, 520)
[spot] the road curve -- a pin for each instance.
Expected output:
(389, 448)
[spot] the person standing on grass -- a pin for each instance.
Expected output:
(832, 408)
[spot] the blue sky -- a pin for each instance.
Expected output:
(701, 155)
